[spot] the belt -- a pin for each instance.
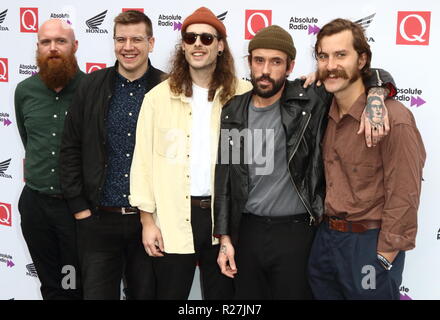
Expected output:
(201, 202)
(302, 217)
(342, 225)
(122, 210)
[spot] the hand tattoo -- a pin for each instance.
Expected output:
(375, 111)
(223, 249)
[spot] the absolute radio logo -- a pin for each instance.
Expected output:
(94, 22)
(5, 214)
(93, 66)
(29, 20)
(411, 96)
(170, 20)
(256, 20)
(404, 293)
(28, 69)
(304, 23)
(4, 70)
(7, 259)
(4, 165)
(2, 19)
(63, 16)
(413, 28)
(4, 117)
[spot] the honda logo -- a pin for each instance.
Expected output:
(5, 214)
(91, 66)
(413, 27)
(29, 19)
(256, 20)
(3, 70)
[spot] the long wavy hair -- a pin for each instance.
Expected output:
(223, 76)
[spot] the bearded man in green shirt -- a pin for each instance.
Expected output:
(41, 103)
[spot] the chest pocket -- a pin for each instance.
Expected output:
(166, 142)
(363, 181)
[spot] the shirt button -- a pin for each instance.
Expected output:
(51, 188)
(187, 219)
(131, 93)
(187, 176)
(139, 86)
(124, 195)
(57, 98)
(53, 153)
(123, 85)
(53, 170)
(129, 134)
(130, 114)
(54, 134)
(300, 94)
(126, 175)
(128, 155)
(303, 113)
(55, 116)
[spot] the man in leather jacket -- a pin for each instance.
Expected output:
(269, 180)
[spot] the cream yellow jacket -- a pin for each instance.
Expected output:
(160, 180)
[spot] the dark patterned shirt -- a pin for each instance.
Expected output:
(121, 122)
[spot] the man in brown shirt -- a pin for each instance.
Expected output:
(372, 194)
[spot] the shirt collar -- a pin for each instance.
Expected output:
(355, 110)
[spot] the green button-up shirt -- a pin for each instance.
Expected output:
(40, 114)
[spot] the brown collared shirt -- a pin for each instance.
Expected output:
(379, 183)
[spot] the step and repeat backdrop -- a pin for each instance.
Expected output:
(403, 36)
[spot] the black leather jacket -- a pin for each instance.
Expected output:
(304, 118)
(83, 155)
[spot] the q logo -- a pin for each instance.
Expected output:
(91, 66)
(256, 20)
(5, 214)
(28, 19)
(3, 70)
(413, 27)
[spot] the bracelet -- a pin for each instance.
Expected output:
(384, 261)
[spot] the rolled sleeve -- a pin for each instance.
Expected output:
(403, 158)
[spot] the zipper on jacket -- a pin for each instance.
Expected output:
(312, 219)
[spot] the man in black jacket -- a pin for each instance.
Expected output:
(269, 181)
(96, 154)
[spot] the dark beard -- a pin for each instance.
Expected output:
(57, 73)
(276, 86)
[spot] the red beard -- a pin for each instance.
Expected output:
(56, 70)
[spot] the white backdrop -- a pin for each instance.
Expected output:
(402, 35)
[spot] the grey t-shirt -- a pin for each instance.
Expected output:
(271, 190)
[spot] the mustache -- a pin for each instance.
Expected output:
(339, 73)
(267, 78)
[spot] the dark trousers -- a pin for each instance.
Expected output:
(271, 258)
(110, 249)
(49, 231)
(344, 265)
(175, 272)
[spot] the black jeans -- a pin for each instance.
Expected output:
(175, 272)
(49, 231)
(344, 265)
(110, 250)
(271, 258)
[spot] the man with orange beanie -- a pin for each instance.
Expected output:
(172, 174)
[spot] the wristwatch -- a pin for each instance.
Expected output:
(387, 265)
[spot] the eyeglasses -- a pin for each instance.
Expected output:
(133, 40)
(205, 38)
